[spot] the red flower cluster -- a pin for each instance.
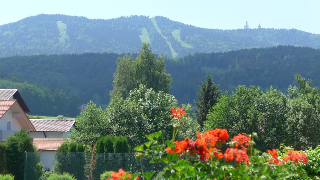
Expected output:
(274, 158)
(204, 145)
(295, 156)
(241, 140)
(120, 175)
(177, 113)
(236, 154)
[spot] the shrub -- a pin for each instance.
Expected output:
(105, 175)
(2, 158)
(313, 166)
(121, 145)
(6, 177)
(16, 146)
(108, 144)
(64, 176)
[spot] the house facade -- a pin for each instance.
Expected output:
(13, 114)
(47, 135)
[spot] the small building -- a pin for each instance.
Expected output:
(13, 116)
(48, 136)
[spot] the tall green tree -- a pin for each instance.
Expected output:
(90, 125)
(208, 97)
(143, 112)
(146, 69)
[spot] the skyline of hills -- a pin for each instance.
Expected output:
(62, 34)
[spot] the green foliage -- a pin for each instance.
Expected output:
(292, 120)
(2, 158)
(71, 159)
(120, 144)
(189, 126)
(41, 99)
(313, 166)
(105, 175)
(90, 125)
(35, 117)
(105, 144)
(144, 111)
(6, 177)
(145, 69)
(64, 176)
(208, 97)
(251, 110)
(303, 118)
(16, 146)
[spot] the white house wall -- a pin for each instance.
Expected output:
(49, 135)
(47, 159)
(15, 126)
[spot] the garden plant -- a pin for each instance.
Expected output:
(210, 156)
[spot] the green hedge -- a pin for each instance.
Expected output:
(6, 177)
(2, 158)
(121, 145)
(64, 176)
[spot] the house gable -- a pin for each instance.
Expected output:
(11, 94)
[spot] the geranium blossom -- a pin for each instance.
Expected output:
(177, 113)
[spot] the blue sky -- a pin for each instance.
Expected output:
(215, 14)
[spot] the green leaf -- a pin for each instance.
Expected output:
(148, 144)
(148, 175)
(138, 148)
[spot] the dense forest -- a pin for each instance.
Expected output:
(61, 34)
(89, 76)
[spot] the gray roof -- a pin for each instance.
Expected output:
(5, 94)
(51, 125)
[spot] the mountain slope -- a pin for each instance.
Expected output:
(61, 34)
(89, 76)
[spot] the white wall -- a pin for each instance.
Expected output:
(15, 126)
(47, 159)
(49, 134)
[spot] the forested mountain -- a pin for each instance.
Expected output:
(61, 34)
(42, 100)
(89, 76)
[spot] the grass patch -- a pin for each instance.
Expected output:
(176, 35)
(173, 53)
(144, 37)
(63, 32)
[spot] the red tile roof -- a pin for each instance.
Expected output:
(48, 144)
(50, 125)
(5, 106)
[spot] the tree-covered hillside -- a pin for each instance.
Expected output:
(89, 76)
(61, 34)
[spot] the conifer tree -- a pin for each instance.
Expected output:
(208, 97)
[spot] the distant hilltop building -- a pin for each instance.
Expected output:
(246, 26)
(259, 27)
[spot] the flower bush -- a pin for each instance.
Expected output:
(207, 157)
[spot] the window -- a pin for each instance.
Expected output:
(9, 125)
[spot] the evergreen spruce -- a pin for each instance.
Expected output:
(208, 97)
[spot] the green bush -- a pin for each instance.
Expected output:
(64, 176)
(108, 144)
(121, 145)
(68, 156)
(2, 157)
(313, 166)
(105, 175)
(100, 145)
(16, 146)
(6, 177)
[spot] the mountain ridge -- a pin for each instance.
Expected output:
(62, 34)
